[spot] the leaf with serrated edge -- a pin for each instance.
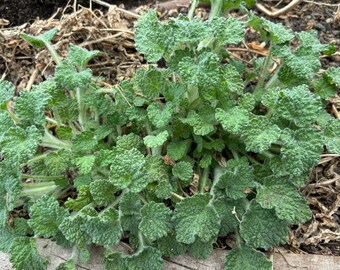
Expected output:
(261, 228)
(246, 258)
(195, 218)
(279, 194)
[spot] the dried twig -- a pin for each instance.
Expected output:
(279, 12)
(120, 9)
(321, 4)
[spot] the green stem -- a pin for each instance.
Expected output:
(37, 189)
(35, 159)
(177, 196)
(43, 177)
(265, 67)
(216, 6)
(268, 154)
(193, 6)
(52, 142)
(53, 53)
(81, 108)
(54, 122)
(141, 241)
(234, 153)
(13, 116)
(274, 80)
(203, 180)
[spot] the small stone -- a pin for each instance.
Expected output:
(320, 27)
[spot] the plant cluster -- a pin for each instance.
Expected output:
(173, 158)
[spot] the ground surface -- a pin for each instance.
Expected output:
(24, 66)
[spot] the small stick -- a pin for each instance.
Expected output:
(100, 2)
(278, 12)
(31, 80)
(335, 111)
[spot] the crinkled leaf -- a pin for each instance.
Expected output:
(333, 75)
(104, 229)
(29, 107)
(79, 56)
(156, 220)
(157, 140)
(261, 228)
(84, 142)
(40, 40)
(195, 219)
(67, 76)
(246, 258)
(24, 254)
(200, 250)
(225, 208)
(237, 181)
(227, 31)
(19, 144)
(300, 151)
(200, 126)
(177, 149)
(275, 32)
(130, 206)
(260, 134)
(102, 192)
(183, 170)
(7, 90)
(170, 247)
(85, 163)
(285, 199)
(45, 216)
(129, 141)
(147, 258)
(160, 114)
(150, 36)
(150, 82)
(234, 120)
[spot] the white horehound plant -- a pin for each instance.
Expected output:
(172, 159)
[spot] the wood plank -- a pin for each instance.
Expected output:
(282, 260)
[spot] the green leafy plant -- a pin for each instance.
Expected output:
(171, 159)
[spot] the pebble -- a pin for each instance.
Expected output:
(320, 27)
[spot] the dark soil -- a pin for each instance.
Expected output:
(22, 11)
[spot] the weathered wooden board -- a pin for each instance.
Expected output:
(282, 260)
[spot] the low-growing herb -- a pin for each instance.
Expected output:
(173, 158)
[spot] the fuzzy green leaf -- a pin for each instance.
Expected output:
(275, 32)
(130, 206)
(285, 199)
(19, 144)
(24, 254)
(246, 258)
(102, 192)
(156, 220)
(45, 216)
(260, 134)
(261, 228)
(29, 107)
(225, 208)
(183, 170)
(177, 149)
(200, 126)
(79, 56)
(40, 40)
(7, 90)
(227, 31)
(129, 141)
(234, 120)
(104, 229)
(196, 219)
(157, 140)
(170, 247)
(160, 115)
(237, 179)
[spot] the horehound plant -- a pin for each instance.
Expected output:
(172, 159)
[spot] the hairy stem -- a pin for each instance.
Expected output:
(53, 53)
(193, 6)
(265, 67)
(203, 180)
